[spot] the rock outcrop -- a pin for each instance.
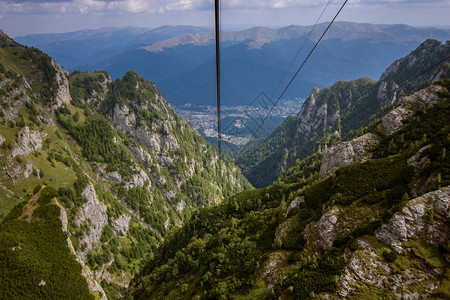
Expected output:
(140, 179)
(92, 213)
(62, 94)
(425, 98)
(121, 225)
(347, 153)
(424, 215)
(367, 268)
(323, 232)
(29, 141)
(93, 285)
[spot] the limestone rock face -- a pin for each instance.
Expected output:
(295, 203)
(311, 116)
(29, 141)
(393, 121)
(114, 177)
(63, 94)
(323, 232)
(425, 98)
(180, 206)
(417, 160)
(93, 285)
(121, 224)
(28, 170)
(347, 153)
(17, 172)
(138, 180)
(141, 155)
(417, 218)
(368, 268)
(125, 120)
(362, 270)
(93, 213)
(122, 118)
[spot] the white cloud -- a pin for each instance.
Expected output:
(180, 5)
(25, 16)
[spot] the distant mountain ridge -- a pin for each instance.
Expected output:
(256, 37)
(86, 46)
(180, 60)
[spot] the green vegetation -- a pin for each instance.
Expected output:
(96, 137)
(85, 86)
(148, 192)
(223, 251)
(35, 260)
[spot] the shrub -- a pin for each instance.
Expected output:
(390, 256)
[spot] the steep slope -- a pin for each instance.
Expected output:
(374, 227)
(331, 114)
(127, 170)
(35, 260)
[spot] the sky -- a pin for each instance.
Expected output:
(22, 17)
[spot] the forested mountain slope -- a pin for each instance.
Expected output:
(367, 219)
(126, 169)
(333, 114)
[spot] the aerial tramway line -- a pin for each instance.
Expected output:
(217, 38)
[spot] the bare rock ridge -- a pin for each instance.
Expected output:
(93, 285)
(92, 214)
(62, 94)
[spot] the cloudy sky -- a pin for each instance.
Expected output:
(20, 17)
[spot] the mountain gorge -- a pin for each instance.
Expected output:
(112, 156)
(107, 193)
(335, 113)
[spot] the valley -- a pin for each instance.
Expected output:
(110, 190)
(239, 122)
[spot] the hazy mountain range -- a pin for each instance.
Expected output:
(180, 59)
